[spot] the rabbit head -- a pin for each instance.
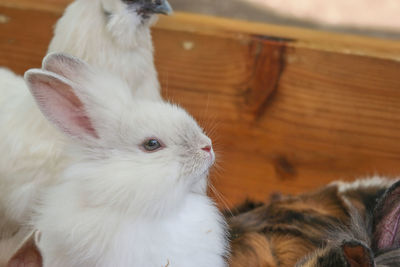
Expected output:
(129, 154)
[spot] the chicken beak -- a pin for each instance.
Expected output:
(163, 8)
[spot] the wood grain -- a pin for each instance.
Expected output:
(56, 6)
(287, 113)
(299, 37)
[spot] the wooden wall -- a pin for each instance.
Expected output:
(288, 109)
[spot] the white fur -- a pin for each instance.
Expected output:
(374, 181)
(31, 148)
(117, 205)
(107, 209)
(119, 42)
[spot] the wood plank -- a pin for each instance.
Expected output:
(331, 115)
(56, 6)
(21, 49)
(344, 43)
(298, 37)
(286, 113)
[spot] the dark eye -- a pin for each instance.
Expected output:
(152, 145)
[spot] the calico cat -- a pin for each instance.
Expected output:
(286, 230)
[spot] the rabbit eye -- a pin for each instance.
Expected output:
(152, 145)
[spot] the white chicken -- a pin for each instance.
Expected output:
(115, 35)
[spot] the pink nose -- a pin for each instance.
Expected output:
(207, 148)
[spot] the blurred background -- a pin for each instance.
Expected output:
(379, 18)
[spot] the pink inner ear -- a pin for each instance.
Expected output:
(61, 106)
(387, 220)
(27, 255)
(357, 255)
(390, 236)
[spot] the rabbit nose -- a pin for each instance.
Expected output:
(207, 148)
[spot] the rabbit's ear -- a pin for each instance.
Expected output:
(386, 231)
(357, 254)
(65, 65)
(58, 100)
(28, 254)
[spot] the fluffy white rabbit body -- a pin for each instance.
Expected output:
(31, 150)
(111, 34)
(134, 192)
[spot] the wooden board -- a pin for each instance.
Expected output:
(288, 109)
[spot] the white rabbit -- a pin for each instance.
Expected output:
(111, 34)
(134, 191)
(114, 35)
(31, 150)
